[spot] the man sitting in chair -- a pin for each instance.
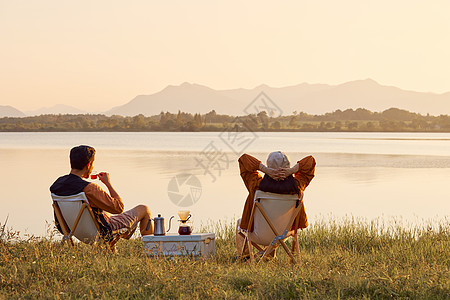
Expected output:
(82, 163)
(279, 178)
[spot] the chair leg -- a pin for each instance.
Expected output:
(250, 249)
(257, 246)
(62, 223)
(297, 247)
(241, 247)
(266, 252)
(69, 240)
(111, 247)
(250, 225)
(287, 251)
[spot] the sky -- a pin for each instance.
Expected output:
(95, 55)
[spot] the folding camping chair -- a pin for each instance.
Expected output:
(76, 218)
(272, 217)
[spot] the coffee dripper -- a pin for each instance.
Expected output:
(184, 228)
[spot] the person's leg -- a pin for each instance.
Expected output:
(144, 217)
(130, 219)
(240, 239)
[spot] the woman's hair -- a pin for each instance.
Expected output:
(277, 160)
(80, 156)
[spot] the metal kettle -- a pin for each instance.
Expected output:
(159, 225)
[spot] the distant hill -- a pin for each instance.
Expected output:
(9, 111)
(309, 98)
(56, 109)
(186, 97)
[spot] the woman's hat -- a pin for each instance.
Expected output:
(277, 160)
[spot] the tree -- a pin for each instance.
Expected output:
(198, 121)
(251, 122)
(308, 127)
(276, 125)
(210, 117)
(264, 119)
(352, 125)
(138, 122)
(370, 126)
(293, 122)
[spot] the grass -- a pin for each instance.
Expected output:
(340, 259)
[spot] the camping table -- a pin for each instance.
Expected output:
(197, 244)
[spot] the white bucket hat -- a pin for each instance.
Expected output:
(277, 160)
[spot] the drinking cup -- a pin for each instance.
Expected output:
(94, 175)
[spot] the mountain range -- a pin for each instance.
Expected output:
(304, 97)
(9, 111)
(56, 109)
(309, 98)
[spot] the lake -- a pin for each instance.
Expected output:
(364, 175)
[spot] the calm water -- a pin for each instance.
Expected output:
(368, 175)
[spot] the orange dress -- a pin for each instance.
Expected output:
(249, 165)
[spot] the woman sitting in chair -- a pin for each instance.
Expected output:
(279, 178)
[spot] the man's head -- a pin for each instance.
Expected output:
(277, 160)
(81, 156)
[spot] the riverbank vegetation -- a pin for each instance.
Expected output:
(359, 120)
(346, 259)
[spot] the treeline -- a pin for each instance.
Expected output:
(391, 120)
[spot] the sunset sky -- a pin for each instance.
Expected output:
(98, 54)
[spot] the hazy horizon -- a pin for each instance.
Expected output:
(97, 55)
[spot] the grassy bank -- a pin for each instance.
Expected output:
(345, 259)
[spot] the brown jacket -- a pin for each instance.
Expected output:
(249, 165)
(99, 198)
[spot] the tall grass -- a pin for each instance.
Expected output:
(340, 259)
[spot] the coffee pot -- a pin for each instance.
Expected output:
(184, 228)
(159, 225)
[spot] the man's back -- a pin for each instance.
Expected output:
(68, 185)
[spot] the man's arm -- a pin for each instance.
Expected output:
(97, 197)
(104, 177)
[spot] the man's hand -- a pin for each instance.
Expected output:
(104, 177)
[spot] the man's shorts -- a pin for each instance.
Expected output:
(127, 219)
